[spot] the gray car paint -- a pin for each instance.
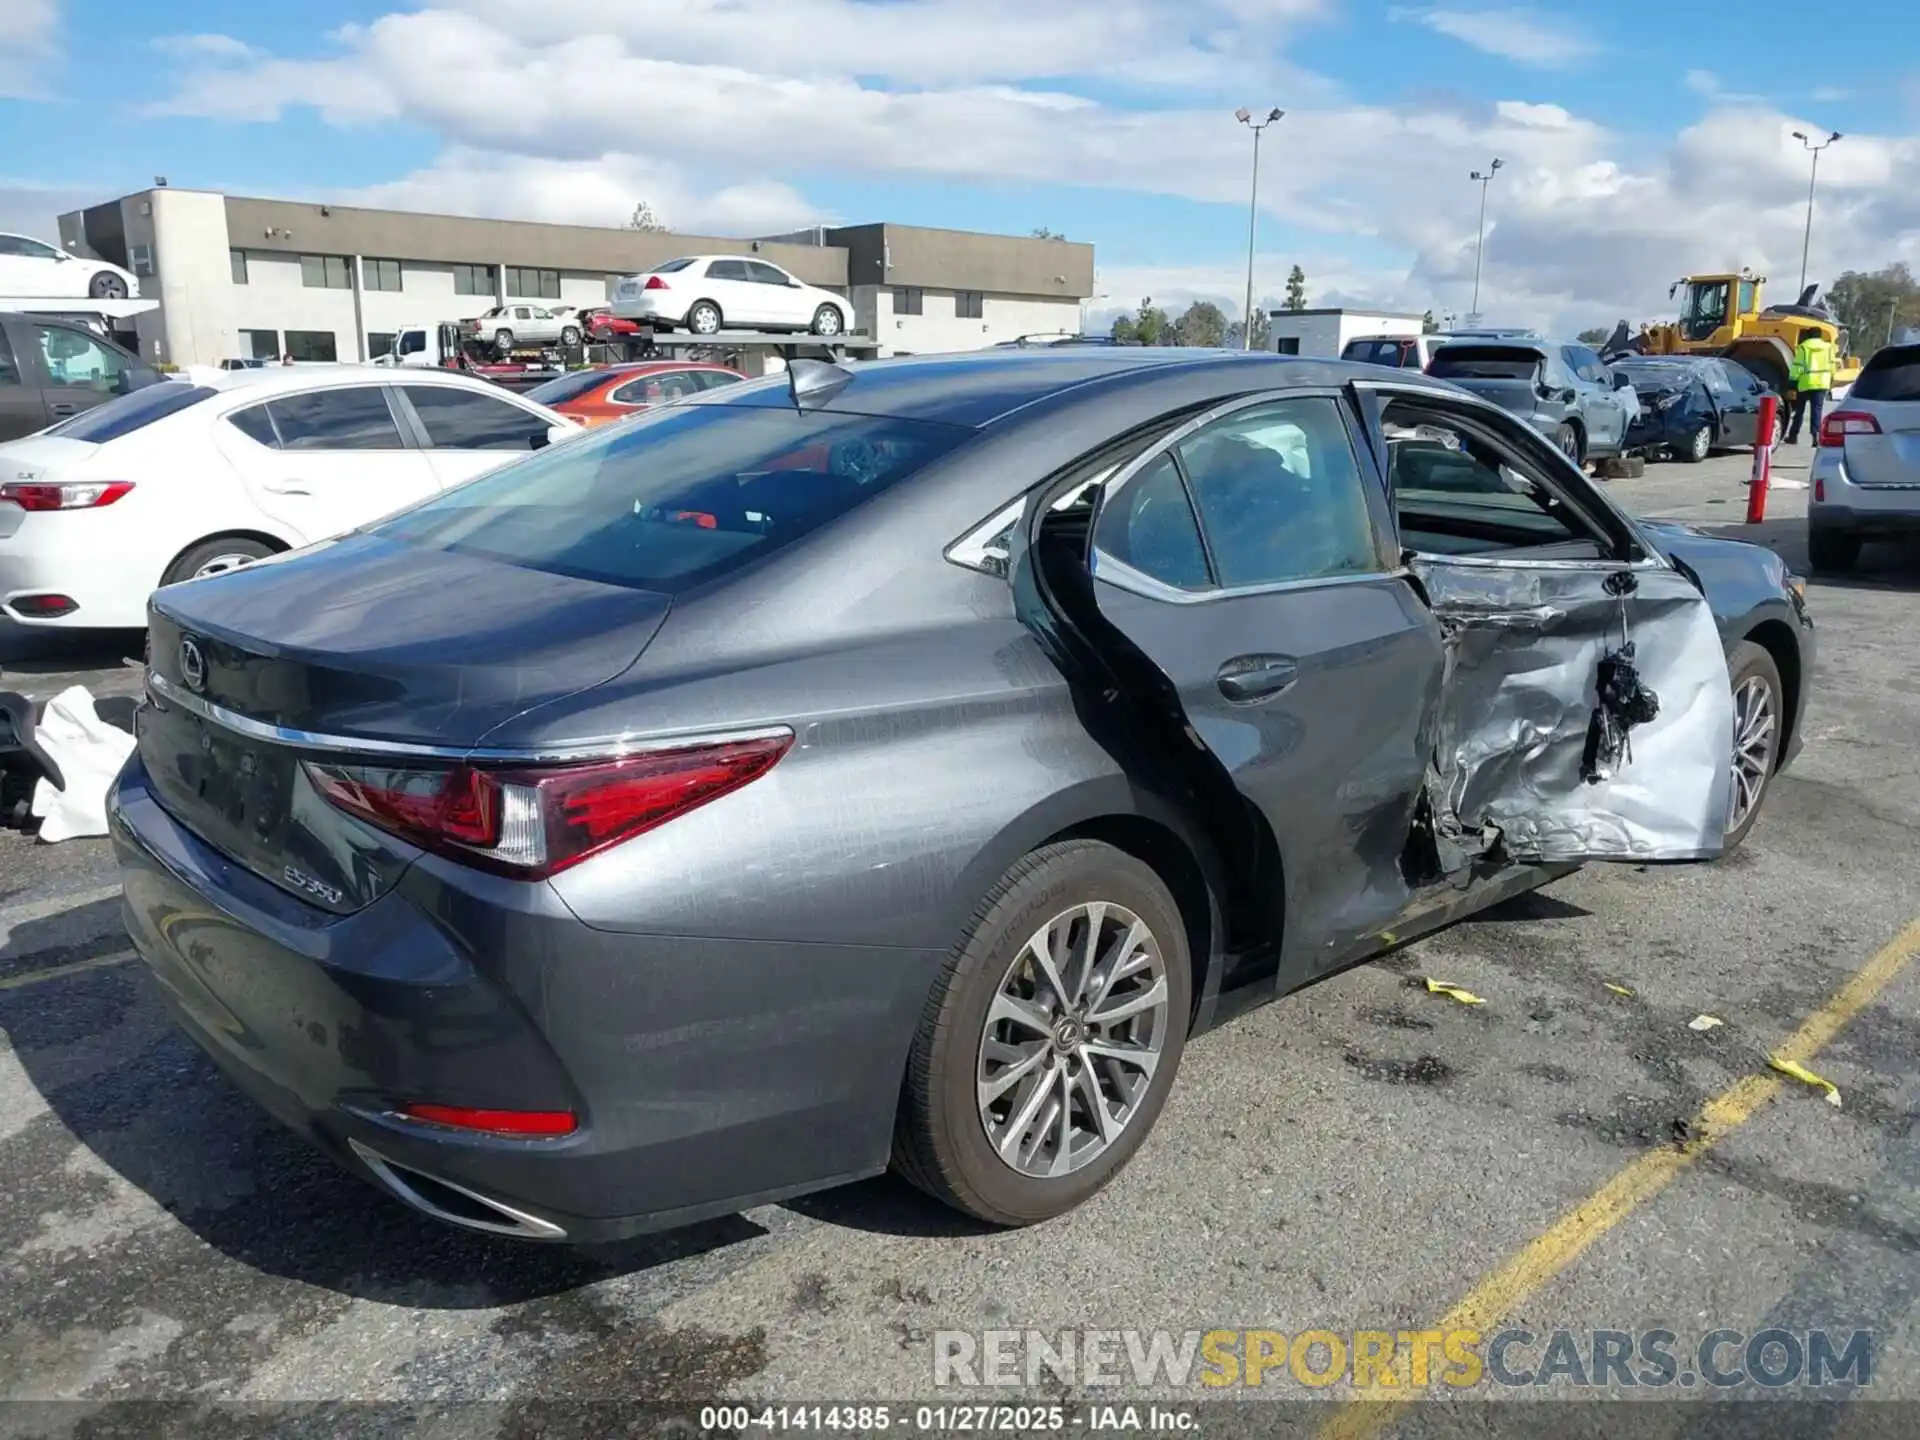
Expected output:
(729, 999)
(1593, 404)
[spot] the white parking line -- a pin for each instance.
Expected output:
(25, 912)
(55, 972)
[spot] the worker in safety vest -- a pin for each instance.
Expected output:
(1812, 378)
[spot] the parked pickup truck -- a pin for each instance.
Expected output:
(510, 325)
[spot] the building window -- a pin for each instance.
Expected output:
(260, 344)
(910, 302)
(379, 343)
(970, 305)
(1287, 345)
(311, 345)
(380, 274)
(140, 259)
(238, 260)
(473, 280)
(325, 272)
(524, 283)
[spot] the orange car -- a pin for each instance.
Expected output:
(596, 397)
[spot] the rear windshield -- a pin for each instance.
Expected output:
(677, 498)
(1392, 352)
(125, 414)
(567, 387)
(672, 266)
(1484, 362)
(1892, 374)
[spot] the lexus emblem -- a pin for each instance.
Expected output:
(193, 665)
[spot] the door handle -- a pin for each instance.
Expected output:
(1247, 678)
(63, 407)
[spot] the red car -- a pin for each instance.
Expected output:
(604, 325)
(595, 397)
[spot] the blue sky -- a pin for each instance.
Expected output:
(1637, 144)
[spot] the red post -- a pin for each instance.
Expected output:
(1762, 461)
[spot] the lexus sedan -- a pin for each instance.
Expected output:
(896, 765)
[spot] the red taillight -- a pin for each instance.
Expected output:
(67, 495)
(654, 282)
(1839, 424)
(531, 823)
(494, 1122)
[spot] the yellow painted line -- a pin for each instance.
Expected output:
(98, 962)
(1370, 1410)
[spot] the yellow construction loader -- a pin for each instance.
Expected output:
(1721, 315)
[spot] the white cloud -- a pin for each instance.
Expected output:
(1526, 37)
(709, 109)
(29, 46)
(204, 47)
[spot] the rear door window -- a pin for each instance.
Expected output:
(657, 389)
(679, 496)
(1484, 362)
(354, 417)
(1280, 495)
(1393, 352)
(1892, 374)
(1150, 527)
(125, 414)
(457, 419)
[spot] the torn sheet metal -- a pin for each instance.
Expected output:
(1516, 758)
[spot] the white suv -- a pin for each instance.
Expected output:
(1866, 471)
(707, 293)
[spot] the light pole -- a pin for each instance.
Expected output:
(1485, 177)
(1806, 239)
(1245, 117)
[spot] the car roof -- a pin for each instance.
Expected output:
(979, 388)
(285, 379)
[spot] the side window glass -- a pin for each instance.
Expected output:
(457, 419)
(256, 424)
(715, 379)
(9, 369)
(1149, 526)
(356, 418)
(1281, 496)
(73, 359)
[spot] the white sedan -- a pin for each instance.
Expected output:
(32, 269)
(708, 293)
(181, 480)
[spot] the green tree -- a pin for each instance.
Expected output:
(1041, 232)
(1429, 325)
(1296, 289)
(1262, 332)
(1599, 335)
(1150, 326)
(1204, 323)
(1869, 304)
(644, 218)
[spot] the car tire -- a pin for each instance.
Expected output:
(1696, 447)
(1759, 724)
(216, 557)
(942, 1143)
(1567, 440)
(107, 286)
(827, 320)
(1834, 551)
(503, 340)
(570, 336)
(704, 318)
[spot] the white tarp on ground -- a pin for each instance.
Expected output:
(89, 753)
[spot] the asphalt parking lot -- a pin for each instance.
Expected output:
(1366, 1155)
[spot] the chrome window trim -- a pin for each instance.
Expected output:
(1123, 576)
(165, 693)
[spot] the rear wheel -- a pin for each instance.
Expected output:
(216, 557)
(1759, 718)
(1832, 550)
(1567, 437)
(1696, 446)
(704, 318)
(827, 320)
(503, 340)
(107, 286)
(1050, 1040)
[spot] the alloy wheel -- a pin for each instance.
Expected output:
(220, 564)
(1072, 1039)
(1754, 733)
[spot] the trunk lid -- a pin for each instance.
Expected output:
(1891, 458)
(367, 639)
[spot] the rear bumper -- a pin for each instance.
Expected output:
(1857, 521)
(104, 569)
(1869, 510)
(706, 1075)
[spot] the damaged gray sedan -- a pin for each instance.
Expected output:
(897, 765)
